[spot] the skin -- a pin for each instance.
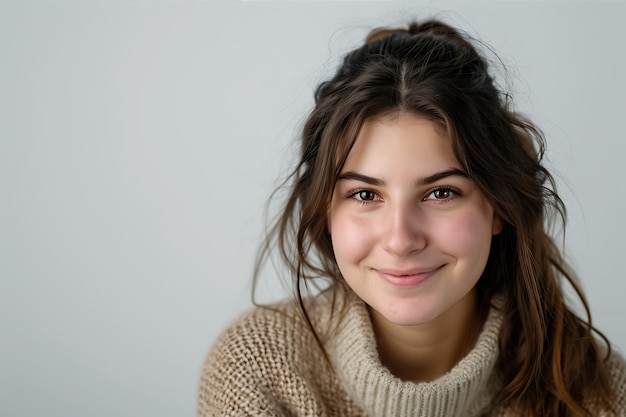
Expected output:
(411, 235)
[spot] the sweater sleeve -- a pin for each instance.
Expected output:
(231, 382)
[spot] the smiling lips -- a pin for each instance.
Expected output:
(406, 278)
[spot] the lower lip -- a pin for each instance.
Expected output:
(406, 281)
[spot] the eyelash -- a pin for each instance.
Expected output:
(354, 193)
(454, 193)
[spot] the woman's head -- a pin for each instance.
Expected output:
(432, 72)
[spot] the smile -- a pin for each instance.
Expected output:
(406, 278)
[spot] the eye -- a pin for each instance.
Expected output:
(366, 195)
(363, 196)
(442, 194)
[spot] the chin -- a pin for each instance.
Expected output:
(408, 315)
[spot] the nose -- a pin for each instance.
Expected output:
(404, 229)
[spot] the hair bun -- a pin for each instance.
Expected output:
(433, 27)
(380, 33)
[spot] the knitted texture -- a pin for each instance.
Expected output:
(465, 390)
(268, 363)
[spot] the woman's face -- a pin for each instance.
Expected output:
(410, 232)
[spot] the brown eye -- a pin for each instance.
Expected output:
(441, 194)
(366, 195)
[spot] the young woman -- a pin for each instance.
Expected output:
(420, 200)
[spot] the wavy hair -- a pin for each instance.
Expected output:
(549, 358)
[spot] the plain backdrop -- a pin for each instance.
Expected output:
(139, 142)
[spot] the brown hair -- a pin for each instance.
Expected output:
(551, 363)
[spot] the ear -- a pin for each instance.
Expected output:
(497, 225)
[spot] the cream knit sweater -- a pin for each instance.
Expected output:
(268, 364)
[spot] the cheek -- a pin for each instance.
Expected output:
(350, 238)
(468, 233)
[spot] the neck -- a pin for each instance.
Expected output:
(427, 351)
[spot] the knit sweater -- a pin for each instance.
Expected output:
(268, 363)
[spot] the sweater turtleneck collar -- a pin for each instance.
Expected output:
(465, 390)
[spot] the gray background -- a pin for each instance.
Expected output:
(139, 142)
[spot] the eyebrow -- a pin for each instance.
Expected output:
(350, 175)
(441, 175)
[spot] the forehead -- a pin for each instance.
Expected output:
(401, 139)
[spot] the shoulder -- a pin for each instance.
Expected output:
(616, 366)
(266, 362)
(262, 333)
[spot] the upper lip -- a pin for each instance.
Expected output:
(406, 272)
